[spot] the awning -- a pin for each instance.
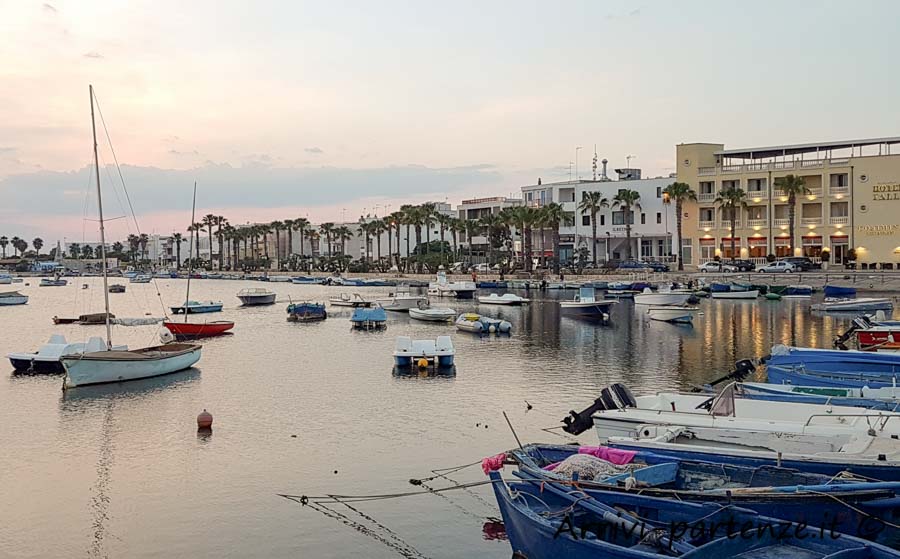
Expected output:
(843, 236)
(758, 242)
(812, 237)
(708, 242)
(728, 239)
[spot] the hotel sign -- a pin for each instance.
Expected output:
(886, 191)
(878, 230)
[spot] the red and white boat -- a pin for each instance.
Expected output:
(872, 333)
(191, 330)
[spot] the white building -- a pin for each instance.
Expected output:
(477, 208)
(652, 231)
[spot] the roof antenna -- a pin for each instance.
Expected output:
(594, 167)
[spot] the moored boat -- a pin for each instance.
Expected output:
(364, 318)
(402, 300)
(432, 314)
(197, 307)
(661, 297)
(117, 366)
(8, 298)
(673, 313)
(587, 304)
(505, 299)
(861, 304)
(255, 296)
(141, 278)
(797, 292)
(48, 357)
(837, 291)
(435, 353)
(53, 282)
(749, 294)
(304, 280)
(116, 288)
(194, 330)
(306, 312)
(887, 398)
(479, 324)
(347, 300)
(444, 288)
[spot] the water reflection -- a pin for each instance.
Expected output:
(74, 399)
(426, 373)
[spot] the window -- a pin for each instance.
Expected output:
(707, 252)
(585, 220)
(839, 209)
(643, 218)
(687, 246)
(659, 192)
(756, 185)
(839, 180)
(646, 248)
(602, 220)
(707, 214)
(618, 218)
(707, 187)
(660, 247)
(658, 217)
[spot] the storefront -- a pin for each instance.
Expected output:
(840, 244)
(812, 246)
(707, 249)
(783, 246)
(759, 247)
(726, 248)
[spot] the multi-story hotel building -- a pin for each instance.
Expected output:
(853, 201)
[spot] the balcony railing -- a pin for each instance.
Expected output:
(778, 221)
(706, 196)
(757, 222)
(839, 220)
(732, 168)
(707, 225)
(706, 170)
(814, 191)
(811, 221)
(839, 190)
(758, 195)
(725, 223)
(773, 166)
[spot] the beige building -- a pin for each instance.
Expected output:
(853, 202)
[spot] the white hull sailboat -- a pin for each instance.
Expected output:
(648, 297)
(672, 313)
(111, 365)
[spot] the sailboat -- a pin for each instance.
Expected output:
(192, 330)
(116, 365)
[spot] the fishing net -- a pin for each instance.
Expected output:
(589, 468)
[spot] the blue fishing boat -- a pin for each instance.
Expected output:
(368, 318)
(719, 287)
(801, 376)
(422, 354)
(197, 307)
(797, 291)
(306, 312)
(887, 399)
(837, 291)
(833, 360)
(306, 280)
(377, 283)
(491, 285)
(769, 491)
(546, 520)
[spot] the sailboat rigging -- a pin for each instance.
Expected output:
(116, 365)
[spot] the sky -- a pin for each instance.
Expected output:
(329, 110)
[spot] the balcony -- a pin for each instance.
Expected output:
(706, 171)
(706, 196)
(758, 195)
(810, 221)
(725, 224)
(568, 206)
(757, 222)
(773, 166)
(835, 190)
(707, 225)
(814, 191)
(839, 220)
(779, 221)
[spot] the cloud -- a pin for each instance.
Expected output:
(193, 152)
(49, 8)
(92, 54)
(4, 149)
(314, 150)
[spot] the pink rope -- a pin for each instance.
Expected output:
(493, 463)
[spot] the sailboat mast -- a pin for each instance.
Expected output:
(102, 229)
(187, 295)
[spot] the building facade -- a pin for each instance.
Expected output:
(478, 208)
(851, 203)
(652, 224)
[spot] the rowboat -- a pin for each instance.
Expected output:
(432, 314)
(749, 294)
(479, 324)
(306, 312)
(194, 330)
(673, 313)
(302, 280)
(54, 282)
(116, 366)
(12, 298)
(141, 278)
(505, 299)
(553, 520)
(797, 292)
(661, 297)
(368, 318)
(789, 494)
(587, 304)
(854, 305)
(116, 288)
(346, 300)
(255, 296)
(887, 398)
(435, 353)
(835, 291)
(197, 307)
(798, 375)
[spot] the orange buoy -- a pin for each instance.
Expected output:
(204, 420)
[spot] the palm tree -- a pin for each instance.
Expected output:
(377, 228)
(74, 250)
(327, 229)
(628, 200)
(343, 234)
(3, 242)
(37, 243)
(209, 221)
(444, 221)
(87, 251)
(388, 227)
(277, 226)
(493, 223)
(792, 186)
(732, 200)
(592, 203)
(15, 244)
(221, 223)
(428, 217)
(365, 230)
(680, 192)
(21, 245)
(554, 216)
(143, 239)
(289, 229)
(455, 226)
(134, 243)
(196, 228)
(177, 238)
(117, 248)
(471, 227)
(301, 224)
(397, 219)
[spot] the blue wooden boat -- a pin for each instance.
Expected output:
(833, 360)
(368, 318)
(491, 285)
(801, 376)
(547, 520)
(887, 399)
(377, 283)
(769, 491)
(720, 287)
(797, 291)
(837, 291)
(197, 307)
(307, 280)
(306, 312)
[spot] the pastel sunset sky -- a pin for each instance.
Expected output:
(282, 109)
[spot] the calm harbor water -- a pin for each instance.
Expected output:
(120, 471)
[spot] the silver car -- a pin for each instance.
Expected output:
(713, 266)
(777, 267)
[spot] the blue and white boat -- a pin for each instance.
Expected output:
(819, 500)
(587, 304)
(836, 291)
(141, 278)
(8, 298)
(550, 520)
(797, 292)
(480, 324)
(432, 353)
(491, 285)
(887, 399)
(368, 318)
(800, 376)
(197, 307)
(306, 312)
(306, 280)
(53, 282)
(833, 360)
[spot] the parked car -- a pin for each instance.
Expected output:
(657, 266)
(713, 266)
(631, 265)
(802, 263)
(782, 266)
(742, 265)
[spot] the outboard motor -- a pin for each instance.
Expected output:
(742, 369)
(858, 323)
(614, 397)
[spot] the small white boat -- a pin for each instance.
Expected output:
(478, 324)
(432, 314)
(436, 353)
(402, 300)
(444, 288)
(48, 358)
(141, 278)
(12, 298)
(347, 300)
(861, 304)
(505, 299)
(673, 313)
(53, 282)
(750, 294)
(586, 303)
(120, 365)
(661, 297)
(280, 279)
(5, 279)
(251, 296)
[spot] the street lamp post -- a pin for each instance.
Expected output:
(667, 202)
(576, 162)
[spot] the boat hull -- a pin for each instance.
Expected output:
(839, 291)
(189, 330)
(661, 298)
(37, 366)
(197, 309)
(597, 309)
(257, 300)
(854, 305)
(16, 300)
(788, 375)
(832, 360)
(672, 314)
(752, 294)
(420, 314)
(95, 368)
